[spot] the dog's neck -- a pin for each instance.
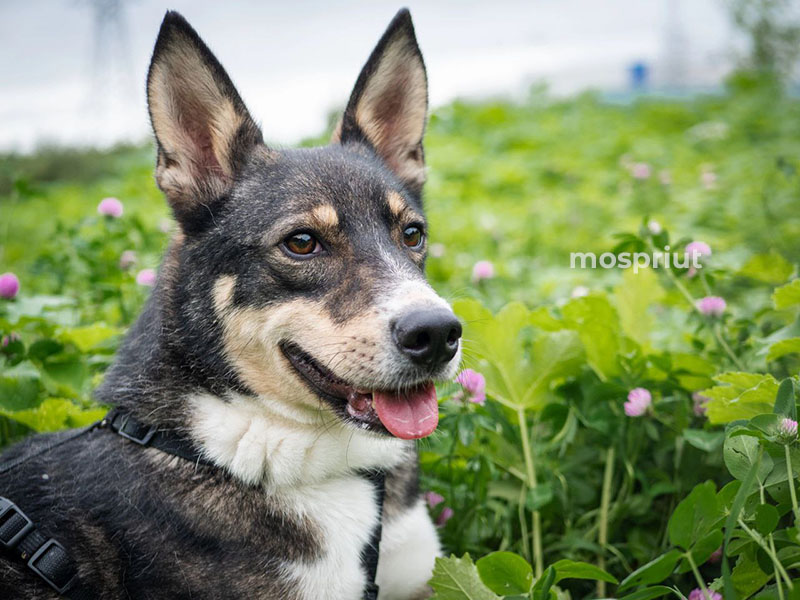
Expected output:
(262, 440)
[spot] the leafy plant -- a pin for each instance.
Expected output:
(620, 434)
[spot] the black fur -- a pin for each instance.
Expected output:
(144, 524)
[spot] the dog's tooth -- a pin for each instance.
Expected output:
(359, 402)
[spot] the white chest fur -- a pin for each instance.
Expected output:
(345, 512)
(409, 547)
(311, 466)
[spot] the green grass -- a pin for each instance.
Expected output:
(550, 468)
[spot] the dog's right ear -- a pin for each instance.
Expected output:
(203, 129)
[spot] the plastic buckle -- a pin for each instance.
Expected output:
(50, 545)
(141, 440)
(6, 507)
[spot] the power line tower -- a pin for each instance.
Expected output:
(111, 80)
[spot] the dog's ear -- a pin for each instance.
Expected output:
(389, 104)
(202, 127)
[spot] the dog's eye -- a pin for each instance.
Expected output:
(412, 237)
(302, 244)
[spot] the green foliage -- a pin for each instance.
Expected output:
(788, 295)
(634, 296)
(505, 573)
(598, 327)
(655, 571)
(519, 366)
(458, 579)
(783, 347)
(572, 569)
(695, 517)
(558, 491)
(740, 396)
(768, 268)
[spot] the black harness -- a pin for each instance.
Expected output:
(51, 561)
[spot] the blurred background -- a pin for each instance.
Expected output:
(551, 121)
(73, 71)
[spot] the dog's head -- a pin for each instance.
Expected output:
(298, 274)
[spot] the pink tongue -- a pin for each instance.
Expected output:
(410, 415)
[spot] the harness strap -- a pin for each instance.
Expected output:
(43, 555)
(166, 440)
(47, 557)
(371, 553)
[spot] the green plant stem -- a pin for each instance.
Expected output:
(772, 547)
(764, 546)
(530, 469)
(523, 523)
(605, 501)
(792, 492)
(697, 576)
(714, 329)
(775, 570)
(537, 543)
(717, 331)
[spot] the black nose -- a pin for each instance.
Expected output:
(428, 337)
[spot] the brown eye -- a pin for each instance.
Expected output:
(302, 244)
(412, 236)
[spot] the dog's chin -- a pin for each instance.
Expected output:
(408, 411)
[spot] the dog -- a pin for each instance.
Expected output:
(291, 338)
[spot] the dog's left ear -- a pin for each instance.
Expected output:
(389, 104)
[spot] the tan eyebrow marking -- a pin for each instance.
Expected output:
(325, 215)
(223, 292)
(396, 203)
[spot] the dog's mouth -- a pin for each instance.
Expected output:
(408, 414)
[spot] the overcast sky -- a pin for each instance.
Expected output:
(293, 61)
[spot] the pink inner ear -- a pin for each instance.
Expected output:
(392, 109)
(206, 159)
(194, 121)
(396, 121)
(397, 126)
